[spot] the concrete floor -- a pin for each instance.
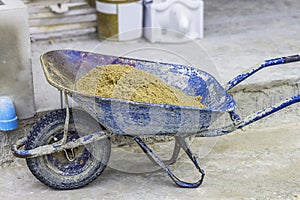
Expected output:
(253, 164)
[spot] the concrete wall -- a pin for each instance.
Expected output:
(15, 63)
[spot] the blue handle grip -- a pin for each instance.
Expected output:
(289, 59)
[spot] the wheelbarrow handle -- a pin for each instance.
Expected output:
(271, 62)
(268, 111)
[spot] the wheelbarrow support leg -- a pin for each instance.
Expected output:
(155, 158)
(174, 157)
(184, 145)
(175, 153)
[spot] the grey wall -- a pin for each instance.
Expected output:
(15, 63)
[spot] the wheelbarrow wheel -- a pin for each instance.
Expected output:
(72, 168)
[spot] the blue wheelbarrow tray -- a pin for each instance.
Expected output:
(63, 68)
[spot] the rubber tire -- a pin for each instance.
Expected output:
(50, 173)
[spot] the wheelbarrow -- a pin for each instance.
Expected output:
(60, 156)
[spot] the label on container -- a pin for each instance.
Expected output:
(107, 8)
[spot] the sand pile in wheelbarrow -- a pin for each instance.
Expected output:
(129, 83)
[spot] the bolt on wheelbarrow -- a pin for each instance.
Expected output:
(64, 155)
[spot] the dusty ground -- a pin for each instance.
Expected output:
(249, 164)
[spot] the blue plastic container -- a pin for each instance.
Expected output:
(8, 118)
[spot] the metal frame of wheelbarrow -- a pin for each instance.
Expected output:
(180, 142)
